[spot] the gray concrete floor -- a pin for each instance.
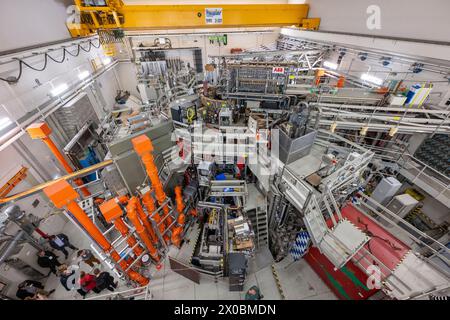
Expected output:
(297, 279)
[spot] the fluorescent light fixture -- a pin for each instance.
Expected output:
(4, 123)
(83, 75)
(330, 65)
(59, 89)
(106, 61)
(369, 78)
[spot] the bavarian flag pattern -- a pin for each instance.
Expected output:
(301, 245)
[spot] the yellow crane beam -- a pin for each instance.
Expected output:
(133, 17)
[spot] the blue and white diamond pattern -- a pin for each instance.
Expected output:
(301, 245)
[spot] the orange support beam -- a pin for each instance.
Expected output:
(62, 195)
(132, 215)
(144, 147)
(42, 131)
(148, 226)
(149, 204)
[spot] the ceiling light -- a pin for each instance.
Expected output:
(369, 78)
(4, 123)
(106, 61)
(330, 65)
(83, 75)
(59, 89)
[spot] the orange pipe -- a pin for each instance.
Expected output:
(131, 240)
(149, 204)
(176, 234)
(100, 239)
(179, 199)
(132, 215)
(60, 157)
(152, 172)
(148, 226)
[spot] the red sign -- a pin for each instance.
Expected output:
(277, 70)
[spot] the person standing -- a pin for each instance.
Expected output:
(47, 259)
(87, 282)
(104, 280)
(29, 289)
(60, 242)
(87, 257)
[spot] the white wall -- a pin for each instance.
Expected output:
(30, 22)
(414, 19)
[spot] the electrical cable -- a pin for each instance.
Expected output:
(46, 57)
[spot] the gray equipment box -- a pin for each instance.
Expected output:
(128, 162)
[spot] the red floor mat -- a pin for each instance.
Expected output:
(347, 283)
(383, 245)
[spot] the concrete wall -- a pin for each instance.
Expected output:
(414, 19)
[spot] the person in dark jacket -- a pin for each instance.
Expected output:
(29, 289)
(47, 259)
(104, 280)
(60, 242)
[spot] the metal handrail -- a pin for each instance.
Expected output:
(145, 290)
(425, 166)
(386, 214)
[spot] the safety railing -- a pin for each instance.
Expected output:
(417, 237)
(437, 184)
(140, 293)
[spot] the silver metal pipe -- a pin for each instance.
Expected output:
(11, 246)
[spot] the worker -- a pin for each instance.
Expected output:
(30, 288)
(88, 257)
(253, 294)
(60, 242)
(104, 281)
(47, 259)
(87, 283)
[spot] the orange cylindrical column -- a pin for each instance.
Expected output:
(148, 226)
(42, 131)
(123, 229)
(149, 204)
(143, 147)
(179, 199)
(178, 229)
(88, 225)
(132, 215)
(62, 195)
(60, 157)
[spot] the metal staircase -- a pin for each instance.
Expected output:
(339, 243)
